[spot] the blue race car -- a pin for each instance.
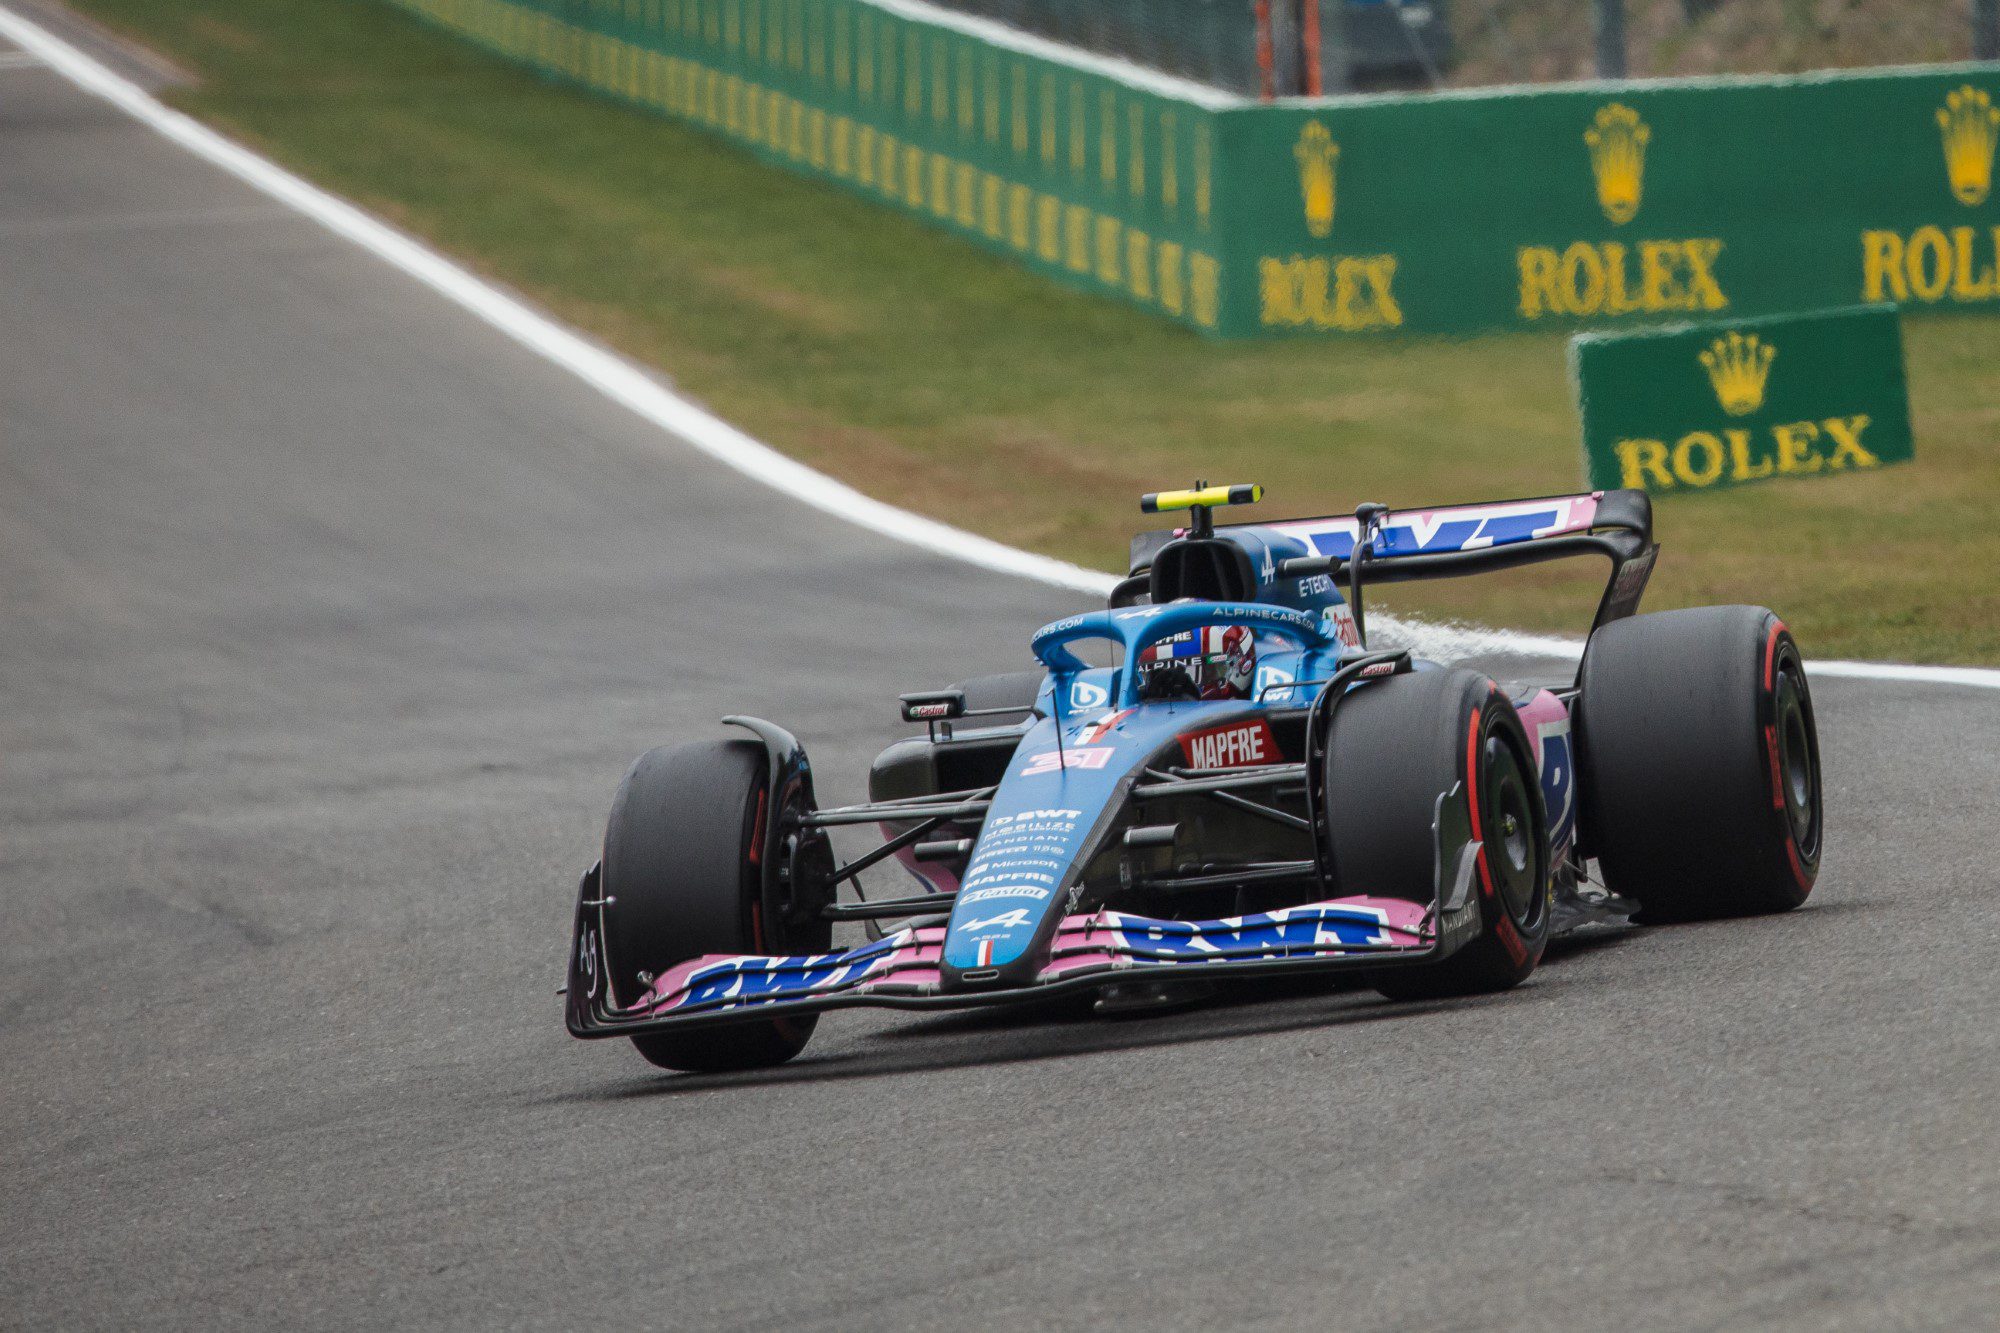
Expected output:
(1247, 790)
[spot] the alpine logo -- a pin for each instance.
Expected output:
(1238, 745)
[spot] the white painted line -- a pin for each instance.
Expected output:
(1984, 678)
(1088, 62)
(627, 385)
(611, 375)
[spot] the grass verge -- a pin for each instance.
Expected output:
(934, 376)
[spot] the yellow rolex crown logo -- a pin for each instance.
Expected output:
(1617, 144)
(1317, 152)
(1971, 127)
(1737, 365)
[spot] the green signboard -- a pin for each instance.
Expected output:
(1604, 205)
(1700, 406)
(1591, 205)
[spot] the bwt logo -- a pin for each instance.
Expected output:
(751, 981)
(1087, 694)
(999, 821)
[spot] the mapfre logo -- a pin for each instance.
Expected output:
(1970, 125)
(1738, 365)
(1617, 143)
(1238, 745)
(1318, 154)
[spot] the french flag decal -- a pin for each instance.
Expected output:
(985, 956)
(1101, 728)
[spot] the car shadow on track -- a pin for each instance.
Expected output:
(990, 1037)
(1066, 1030)
(1589, 940)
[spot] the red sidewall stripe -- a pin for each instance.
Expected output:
(1472, 798)
(1503, 927)
(1770, 674)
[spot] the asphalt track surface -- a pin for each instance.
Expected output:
(329, 620)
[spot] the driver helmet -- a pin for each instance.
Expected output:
(1215, 662)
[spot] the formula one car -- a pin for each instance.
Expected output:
(1248, 790)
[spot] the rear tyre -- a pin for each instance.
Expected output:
(1395, 747)
(686, 830)
(1698, 763)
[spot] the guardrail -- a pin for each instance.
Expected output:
(1587, 205)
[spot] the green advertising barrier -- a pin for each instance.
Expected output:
(1579, 206)
(1104, 183)
(1708, 405)
(1632, 203)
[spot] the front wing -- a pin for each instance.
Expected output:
(902, 970)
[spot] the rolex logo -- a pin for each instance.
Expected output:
(1617, 144)
(1971, 126)
(1317, 152)
(1737, 365)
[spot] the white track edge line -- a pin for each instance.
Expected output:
(995, 33)
(611, 375)
(624, 383)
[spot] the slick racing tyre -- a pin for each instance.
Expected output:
(1396, 745)
(1698, 763)
(1014, 690)
(680, 870)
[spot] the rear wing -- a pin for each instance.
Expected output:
(1406, 545)
(1473, 527)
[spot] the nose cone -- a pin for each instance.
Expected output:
(1037, 832)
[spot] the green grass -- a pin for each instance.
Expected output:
(932, 375)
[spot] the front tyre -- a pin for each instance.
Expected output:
(681, 871)
(1698, 763)
(1396, 745)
